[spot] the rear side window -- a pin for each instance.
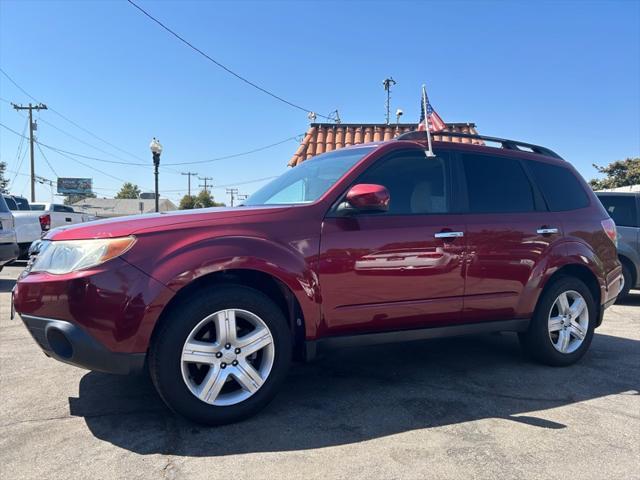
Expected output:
(3, 205)
(497, 185)
(22, 203)
(11, 203)
(560, 187)
(621, 208)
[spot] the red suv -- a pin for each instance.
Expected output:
(368, 244)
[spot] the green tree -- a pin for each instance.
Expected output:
(617, 174)
(4, 182)
(187, 202)
(204, 200)
(71, 199)
(129, 190)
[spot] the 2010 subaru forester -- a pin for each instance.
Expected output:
(367, 244)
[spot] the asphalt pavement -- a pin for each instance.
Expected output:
(469, 407)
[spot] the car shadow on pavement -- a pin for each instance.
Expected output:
(632, 299)
(365, 393)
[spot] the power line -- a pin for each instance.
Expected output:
(97, 159)
(20, 154)
(68, 119)
(225, 68)
(47, 160)
(90, 167)
(86, 143)
(235, 155)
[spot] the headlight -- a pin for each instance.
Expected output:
(71, 255)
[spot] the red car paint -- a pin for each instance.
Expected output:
(348, 274)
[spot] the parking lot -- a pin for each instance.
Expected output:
(468, 407)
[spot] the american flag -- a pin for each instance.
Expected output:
(436, 124)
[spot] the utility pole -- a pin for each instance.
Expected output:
(190, 174)
(205, 179)
(388, 83)
(32, 127)
(233, 192)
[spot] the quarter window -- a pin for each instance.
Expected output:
(497, 185)
(559, 185)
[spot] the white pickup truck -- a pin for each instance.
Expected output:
(32, 221)
(60, 215)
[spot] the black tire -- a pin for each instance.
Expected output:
(168, 341)
(537, 342)
(628, 281)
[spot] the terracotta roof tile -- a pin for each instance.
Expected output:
(325, 137)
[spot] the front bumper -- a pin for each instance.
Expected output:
(68, 343)
(115, 304)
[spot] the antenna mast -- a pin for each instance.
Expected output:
(388, 83)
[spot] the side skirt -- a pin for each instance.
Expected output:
(314, 347)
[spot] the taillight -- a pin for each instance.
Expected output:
(45, 222)
(609, 227)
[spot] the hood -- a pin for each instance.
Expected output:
(130, 225)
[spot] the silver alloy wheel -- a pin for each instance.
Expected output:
(568, 321)
(227, 357)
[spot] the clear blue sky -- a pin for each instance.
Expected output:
(562, 74)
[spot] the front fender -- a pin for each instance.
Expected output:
(180, 261)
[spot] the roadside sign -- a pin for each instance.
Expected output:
(73, 186)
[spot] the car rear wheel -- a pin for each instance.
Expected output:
(221, 355)
(562, 327)
(627, 281)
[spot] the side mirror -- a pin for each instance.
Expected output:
(367, 197)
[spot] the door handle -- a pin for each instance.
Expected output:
(449, 234)
(547, 230)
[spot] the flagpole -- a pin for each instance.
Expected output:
(426, 120)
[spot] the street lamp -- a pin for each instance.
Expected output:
(156, 150)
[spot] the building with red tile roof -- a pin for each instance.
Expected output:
(325, 137)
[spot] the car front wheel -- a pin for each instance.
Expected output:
(221, 355)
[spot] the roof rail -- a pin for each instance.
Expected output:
(505, 143)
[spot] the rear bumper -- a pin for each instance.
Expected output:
(8, 253)
(70, 344)
(610, 294)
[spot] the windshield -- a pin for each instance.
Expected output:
(37, 206)
(310, 180)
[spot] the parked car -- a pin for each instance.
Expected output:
(31, 223)
(16, 202)
(28, 227)
(364, 245)
(59, 214)
(624, 209)
(8, 244)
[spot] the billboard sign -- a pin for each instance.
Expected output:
(74, 186)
